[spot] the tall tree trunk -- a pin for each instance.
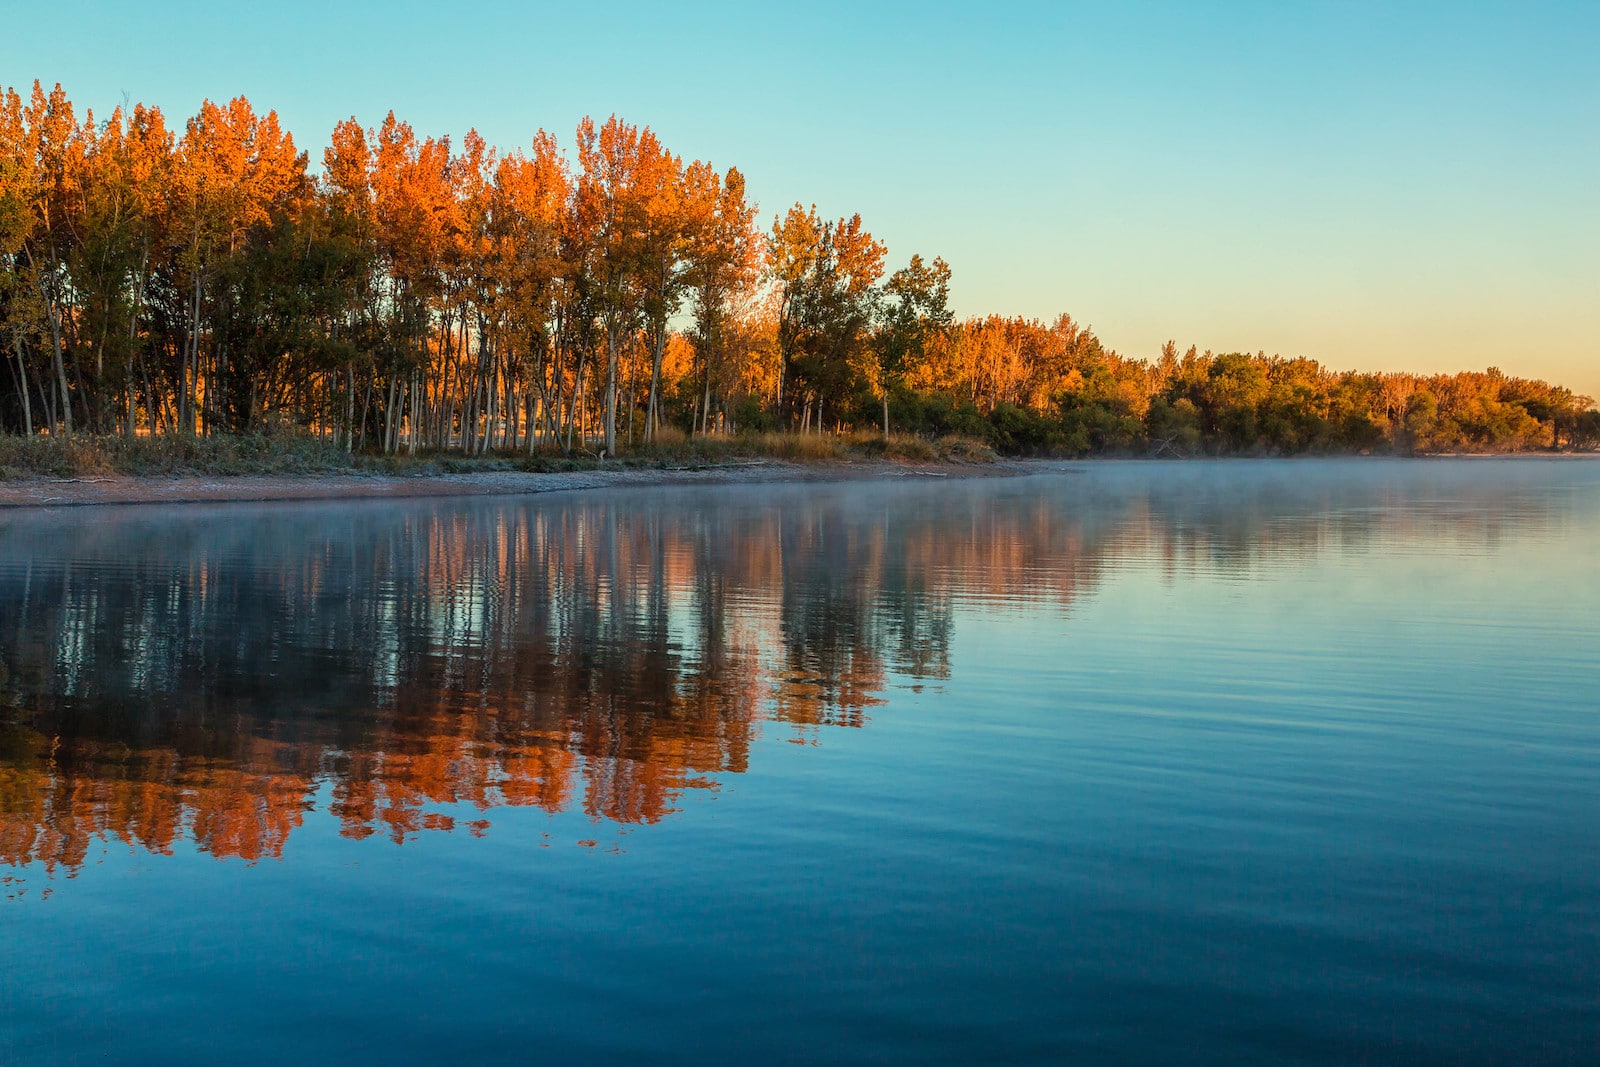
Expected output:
(653, 415)
(633, 404)
(21, 372)
(413, 421)
(536, 416)
(154, 411)
(611, 393)
(705, 403)
(191, 358)
(133, 338)
(350, 408)
(61, 369)
(577, 390)
(389, 418)
(783, 364)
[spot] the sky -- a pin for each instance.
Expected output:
(1386, 186)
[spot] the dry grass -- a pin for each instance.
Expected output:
(84, 456)
(908, 448)
(673, 446)
(964, 450)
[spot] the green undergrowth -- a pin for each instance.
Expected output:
(83, 456)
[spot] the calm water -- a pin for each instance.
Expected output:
(1242, 762)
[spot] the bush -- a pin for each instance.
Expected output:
(898, 446)
(1020, 432)
(963, 450)
(750, 416)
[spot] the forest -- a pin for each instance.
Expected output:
(415, 293)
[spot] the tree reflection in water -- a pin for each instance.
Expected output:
(205, 674)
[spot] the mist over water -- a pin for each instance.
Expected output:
(1229, 762)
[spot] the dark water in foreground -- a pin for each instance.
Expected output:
(1244, 762)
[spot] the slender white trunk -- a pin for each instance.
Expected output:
(22, 385)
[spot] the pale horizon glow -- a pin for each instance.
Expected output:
(1376, 188)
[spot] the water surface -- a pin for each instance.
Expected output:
(1234, 762)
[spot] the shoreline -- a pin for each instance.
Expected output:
(120, 490)
(125, 490)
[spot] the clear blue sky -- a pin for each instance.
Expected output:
(1381, 186)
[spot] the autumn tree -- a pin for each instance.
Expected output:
(530, 203)
(53, 140)
(723, 264)
(16, 226)
(613, 203)
(828, 274)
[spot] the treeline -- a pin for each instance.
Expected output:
(414, 295)
(1027, 387)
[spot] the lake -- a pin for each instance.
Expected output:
(1232, 762)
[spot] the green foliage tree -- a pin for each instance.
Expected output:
(915, 316)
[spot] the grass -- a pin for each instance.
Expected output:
(812, 448)
(83, 456)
